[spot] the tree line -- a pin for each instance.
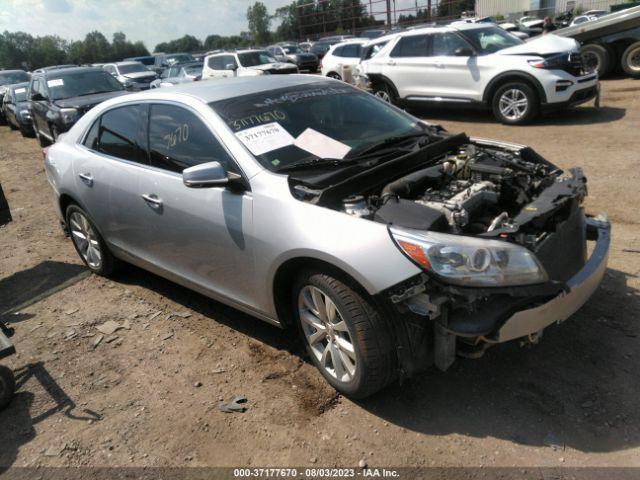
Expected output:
(20, 50)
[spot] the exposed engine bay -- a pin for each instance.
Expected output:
(470, 189)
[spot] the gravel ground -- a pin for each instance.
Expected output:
(148, 393)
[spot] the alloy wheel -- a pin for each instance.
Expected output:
(513, 104)
(326, 332)
(85, 239)
(384, 95)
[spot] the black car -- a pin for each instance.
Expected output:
(60, 97)
(15, 108)
(9, 77)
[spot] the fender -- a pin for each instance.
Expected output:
(513, 74)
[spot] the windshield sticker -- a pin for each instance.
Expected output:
(258, 119)
(293, 97)
(21, 90)
(56, 82)
(265, 138)
(320, 145)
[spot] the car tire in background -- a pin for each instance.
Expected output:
(345, 336)
(334, 75)
(630, 60)
(385, 92)
(598, 58)
(12, 126)
(27, 132)
(88, 242)
(515, 103)
(7, 386)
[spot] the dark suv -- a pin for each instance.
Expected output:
(10, 77)
(60, 97)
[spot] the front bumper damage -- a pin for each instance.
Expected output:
(430, 330)
(578, 290)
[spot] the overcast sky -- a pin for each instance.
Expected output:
(152, 21)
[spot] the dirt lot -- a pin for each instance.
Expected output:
(147, 395)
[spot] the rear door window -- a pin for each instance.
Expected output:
(178, 139)
(411, 46)
(121, 133)
(351, 51)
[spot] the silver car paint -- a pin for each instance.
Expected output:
(225, 245)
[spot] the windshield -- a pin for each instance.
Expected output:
(82, 83)
(171, 59)
(349, 117)
(20, 94)
(193, 70)
(490, 39)
(132, 68)
(291, 49)
(8, 78)
(252, 59)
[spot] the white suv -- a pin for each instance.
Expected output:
(484, 65)
(340, 55)
(244, 63)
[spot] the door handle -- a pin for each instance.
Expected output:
(152, 199)
(86, 178)
(391, 62)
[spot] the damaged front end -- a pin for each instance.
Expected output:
(499, 232)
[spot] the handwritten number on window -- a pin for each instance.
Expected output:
(177, 136)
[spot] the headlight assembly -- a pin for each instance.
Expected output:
(469, 261)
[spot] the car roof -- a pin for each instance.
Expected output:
(127, 62)
(70, 71)
(12, 71)
(213, 91)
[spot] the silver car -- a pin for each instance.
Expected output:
(388, 244)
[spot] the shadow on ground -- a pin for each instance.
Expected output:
(17, 421)
(33, 284)
(568, 117)
(577, 388)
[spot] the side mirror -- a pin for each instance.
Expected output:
(464, 52)
(231, 66)
(210, 174)
(37, 97)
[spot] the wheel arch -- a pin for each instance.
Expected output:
(286, 274)
(512, 76)
(378, 79)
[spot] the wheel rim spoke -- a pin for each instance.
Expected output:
(84, 238)
(327, 334)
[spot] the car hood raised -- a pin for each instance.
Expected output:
(87, 100)
(544, 45)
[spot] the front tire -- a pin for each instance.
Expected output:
(88, 242)
(631, 60)
(7, 386)
(515, 103)
(344, 334)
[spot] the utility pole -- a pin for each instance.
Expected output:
(389, 13)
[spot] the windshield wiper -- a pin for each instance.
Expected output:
(316, 163)
(96, 93)
(387, 142)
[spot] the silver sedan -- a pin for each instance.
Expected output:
(386, 243)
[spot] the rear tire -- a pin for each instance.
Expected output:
(630, 60)
(27, 132)
(346, 338)
(88, 242)
(598, 58)
(515, 103)
(12, 126)
(7, 386)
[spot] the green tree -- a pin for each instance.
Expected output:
(259, 22)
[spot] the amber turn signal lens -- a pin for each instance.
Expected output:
(415, 252)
